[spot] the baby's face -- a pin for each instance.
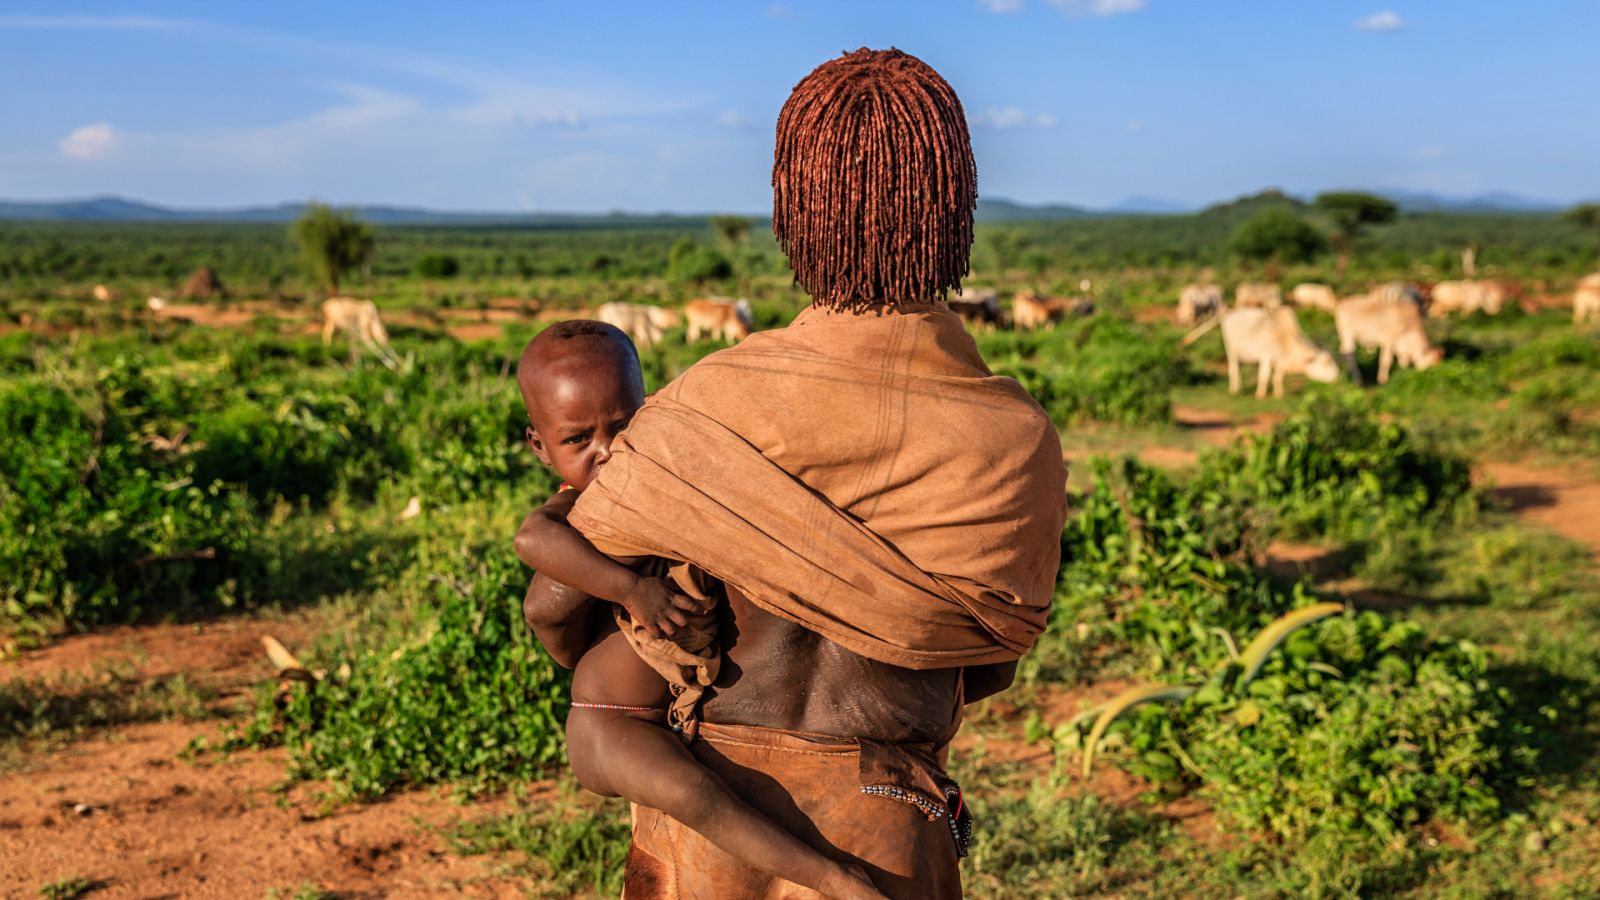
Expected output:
(580, 410)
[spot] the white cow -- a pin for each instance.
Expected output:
(1466, 297)
(643, 323)
(1586, 300)
(1197, 302)
(358, 319)
(1393, 328)
(1315, 295)
(1272, 340)
(1261, 296)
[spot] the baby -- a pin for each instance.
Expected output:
(581, 383)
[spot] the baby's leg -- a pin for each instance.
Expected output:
(634, 756)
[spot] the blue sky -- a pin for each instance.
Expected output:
(670, 105)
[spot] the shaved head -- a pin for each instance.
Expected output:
(567, 347)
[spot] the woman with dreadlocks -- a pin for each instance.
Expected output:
(879, 514)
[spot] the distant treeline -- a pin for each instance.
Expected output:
(37, 256)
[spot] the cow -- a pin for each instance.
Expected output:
(358, 319)
(980, 308)
(1400, 292)
(716, 317)
(103, 293)
(1466, 297)
(1273, 341)
(1393, 327)
(1197, 302)
(1310, 294)
(1260, 296)
(1030, 311)
(641, 322)
(1586, 300)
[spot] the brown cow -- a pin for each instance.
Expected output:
(980, 308)
(717, 317)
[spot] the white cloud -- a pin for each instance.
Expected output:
(731, 118)
(89, 142)
(1007, 117)
(1001, 7)
(1430, 152)
(780, 11)
(1135, 126)
(1099, 9)
(1387, 20)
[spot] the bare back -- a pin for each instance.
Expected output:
(777, 674)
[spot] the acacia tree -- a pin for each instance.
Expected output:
(1585, 214)
(331, 243)
(1276, 235)
(1351, 212)
(731, 230)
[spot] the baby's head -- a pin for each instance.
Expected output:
(581, 382)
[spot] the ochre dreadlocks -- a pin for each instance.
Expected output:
(873, 182)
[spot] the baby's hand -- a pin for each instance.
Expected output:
(659, 609)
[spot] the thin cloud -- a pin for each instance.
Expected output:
(730, 118)
(1001, 7)
(90, 142)
(781, 11)
(1004, 118)
(1099, 9)
(107, 23)
(1430, 152)
(1387, 20)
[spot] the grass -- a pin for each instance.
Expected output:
(67, 888)
(38, 714)
(560, 843)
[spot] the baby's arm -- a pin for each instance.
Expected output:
(556, 550)
(562, 618)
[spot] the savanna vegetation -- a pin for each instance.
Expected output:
(1432, 733)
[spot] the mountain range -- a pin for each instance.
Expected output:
(119, 209)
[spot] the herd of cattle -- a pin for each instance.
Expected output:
(1259, 329)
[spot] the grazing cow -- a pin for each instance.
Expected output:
(1400, 292)
(103, 293)
(728, 320)
(980, 308)
(1030, 311)
(1197, 302)
(1273, 341)
(1393, 327)
(1319, 296)
(641, 322)
(358, 319)
(1586, 300)
(1260, 296)
(1466, 297)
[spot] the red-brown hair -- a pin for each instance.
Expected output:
(873, 182)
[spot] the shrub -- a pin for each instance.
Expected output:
(469, 696)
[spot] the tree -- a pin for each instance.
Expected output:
(689, 262)
(1274, 236)
(1350, 212)
(331, 243)
(438, 265)
(1584, 214)
(731, 230)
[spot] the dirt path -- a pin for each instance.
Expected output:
(125, 812)
(122, 809)
(1562, 500)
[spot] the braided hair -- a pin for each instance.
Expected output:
(873, 182)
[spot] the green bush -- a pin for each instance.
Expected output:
(469, 696)
(1336, 470)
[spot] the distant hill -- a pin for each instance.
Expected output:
(990, 209)
(118, 209)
